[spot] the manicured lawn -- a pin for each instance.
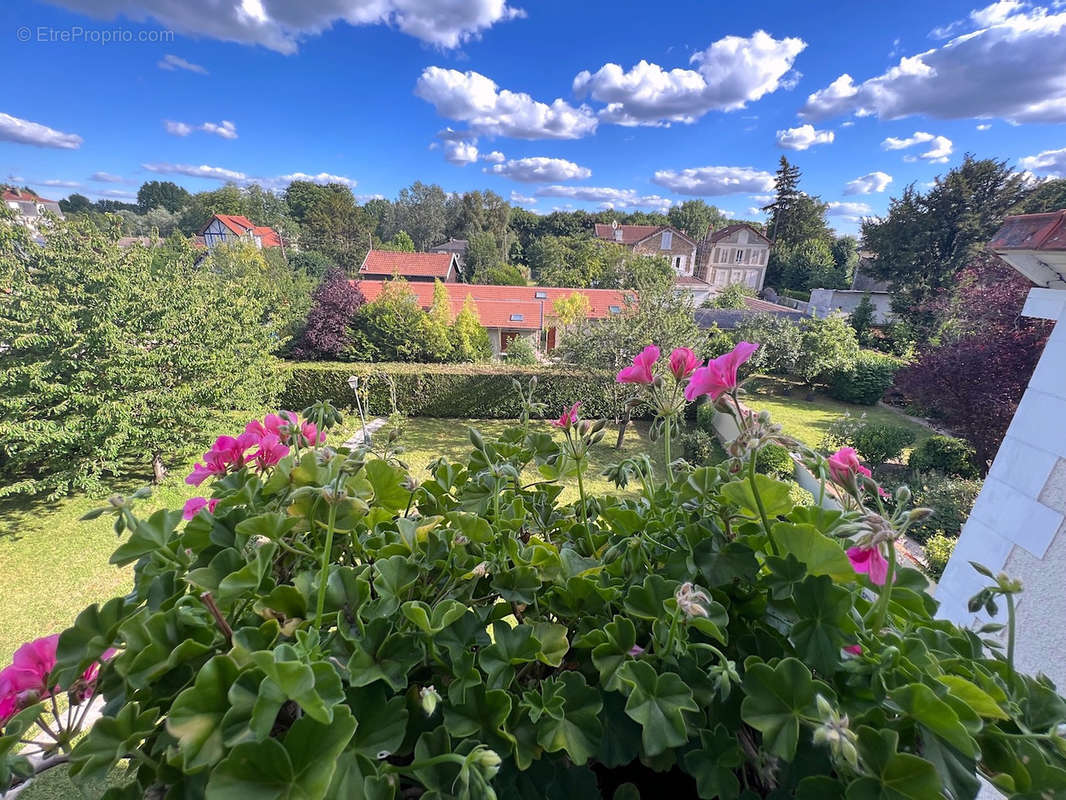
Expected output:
(53, 565)
(808, 421)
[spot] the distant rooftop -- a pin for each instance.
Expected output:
(1035, 245)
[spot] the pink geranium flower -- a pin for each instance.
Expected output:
(270, 451)
(720, 374)
(844, 465)
(310, 435)
(853, 649)
(641, 371)
(568, 418)
(9, 705)
(870, 561)
(683, 362)
(194, 505)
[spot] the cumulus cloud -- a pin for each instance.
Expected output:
(457, 151)
(848, 209)
(495, 157)
(173, 62)
(869, 183)
(1049, 163)
(607, 197)
(1010, 66)
(984, 126)
(803, 137)
(225, 128)
(728, 75)
(477, 101)
(22, 131)
(107, 177)
(60, 183)
(282, 24)
(193, 171)
(715, 180)
(539, 169)
(275, 182)
(940, 147)
(321, 178)
(523, 199)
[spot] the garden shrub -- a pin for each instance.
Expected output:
(776, 461)
(938, 550)
(951, 500)
(519, 351)
(867, 380)
(323, 625)
(705, 418)
(458, 391)
(944, 454)
(879, 443)
(699, 447)
(798, 495)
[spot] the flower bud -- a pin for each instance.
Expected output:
(430, 698)
(903, 495)
(487, 761)
(460, 540)
(481, 570)
(117, 500)
(918, 514)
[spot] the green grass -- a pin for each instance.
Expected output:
(809, 421)
(54, 565)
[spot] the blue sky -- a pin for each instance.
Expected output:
(551, 104)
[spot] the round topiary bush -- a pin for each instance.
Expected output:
(867, 380)
(776, 461)
(944, 454)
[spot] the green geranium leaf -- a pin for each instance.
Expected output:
(436, 619)
(657, 701)
(567, 717)
(822, 555)
(385, 657)
(646, 601)
(147, 536)
(387, 481)
(195, 719)
(895, 776)
(300, 767)
(517, 585)
(919, 701)
(553, 643)
(822, 608)
(111, 739)
(482, 715)
(776, 699)
(316, 687)
(621, 637)
(250, 575)
(272, 525)
(511, 646)
(774, 495)
(714, 763)
(382, 720)
(94, 630)
(973, 696)
(723, 565)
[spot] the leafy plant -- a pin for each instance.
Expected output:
(520, 351)
(950, 499)
(326, 625)
(866, 381)
(944, 454)
(938, 550)
(882, 443)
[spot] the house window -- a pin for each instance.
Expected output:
(679, 264)
(721, 277)
(615, 309)
(541, 295)
(618, 234)
(666, 241)
(752, 278)
(740, 255)
(717, 254)
(516, 318)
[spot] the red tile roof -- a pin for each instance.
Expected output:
(728, 229)
(15, 195)
(268, 237)
(756, 304)
(384, 262)
(235, 222)
(242, 226)
(1032, 232)
(631, 234)
(497, 303)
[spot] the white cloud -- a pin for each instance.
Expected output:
(848, 209)
(201, 171)
(728, 75)
(225, 129)
(538, 169)
(523, 199)
(472, 98)
(940, 147)
(847, 123)
(803, 137)
(714, 180)
(868, 183)
(1049, 163)
(755, 211)
(173, 62)
(282, 24)
(106, 177)
(1010, 66)
(460, 152)
(60, 183)
(22, 131)
(607, 197)
(984, 127)
(321, 178)
(495, 157)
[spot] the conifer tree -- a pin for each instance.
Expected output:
(435, 333)
(469, 337)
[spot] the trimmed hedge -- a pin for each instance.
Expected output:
(451, 391)
(866, 382)
(944, 454)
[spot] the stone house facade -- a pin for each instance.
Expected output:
(735, 254)
(654, 240)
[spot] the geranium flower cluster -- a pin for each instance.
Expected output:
(263, 444)
(25, 681)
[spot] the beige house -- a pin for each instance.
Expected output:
(734, 254)
(654, 240)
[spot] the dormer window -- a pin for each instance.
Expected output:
(666, 241)
(615, 309)
(516, 318)
(541, 295)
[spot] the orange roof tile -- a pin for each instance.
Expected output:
(385, 262)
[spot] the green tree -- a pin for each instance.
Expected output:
(862, 319)
(732, 296)
(696, 218)
(1046, 196)
(115, 359)
(162, 194)
(501, 275)
(311, 262)
(76, 204)
(795, 216)
(808, 265)
(828, 345)
(400, 243)
(330, 222)
(482, 253)
(421, 210)
(389, 328)
(203, 205)
(435, 329)
(470, 340)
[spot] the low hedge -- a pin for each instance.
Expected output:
(944, 454)
(454, 391)
(866, 382)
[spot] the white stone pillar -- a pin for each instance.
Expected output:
(1018, 524)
